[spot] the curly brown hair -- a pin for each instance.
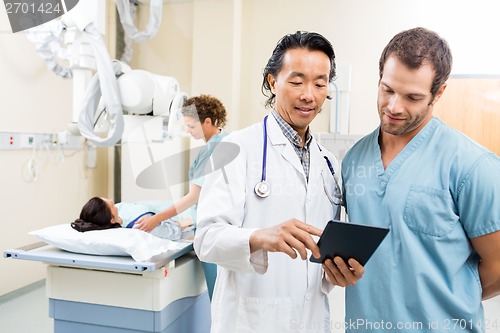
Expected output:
(205, 106)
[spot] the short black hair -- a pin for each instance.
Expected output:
(301, 39)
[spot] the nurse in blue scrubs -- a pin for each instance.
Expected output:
(204, 117)
(437, 191)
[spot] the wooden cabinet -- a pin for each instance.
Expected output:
(472, 105)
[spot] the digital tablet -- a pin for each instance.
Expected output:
(349, 240)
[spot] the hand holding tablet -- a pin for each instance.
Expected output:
(349, 240)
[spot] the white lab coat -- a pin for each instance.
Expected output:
(265, 292)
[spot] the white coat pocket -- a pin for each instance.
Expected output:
(273, 314)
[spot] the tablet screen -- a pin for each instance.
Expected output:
(349, 240)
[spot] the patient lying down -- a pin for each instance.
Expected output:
(101, 213)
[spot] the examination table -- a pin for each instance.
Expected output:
(111, 294)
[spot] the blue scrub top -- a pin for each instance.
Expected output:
(197, 169)
(441, 190)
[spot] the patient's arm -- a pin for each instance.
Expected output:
(148, 223)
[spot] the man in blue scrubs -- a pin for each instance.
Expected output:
(438, 192)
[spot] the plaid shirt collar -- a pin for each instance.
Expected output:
(292, 134)
(303, 153)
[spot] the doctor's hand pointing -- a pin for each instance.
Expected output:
(288, 237)
(294, 236)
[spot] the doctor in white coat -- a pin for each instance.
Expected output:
(265, 208)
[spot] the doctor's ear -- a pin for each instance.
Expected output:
(272, 82)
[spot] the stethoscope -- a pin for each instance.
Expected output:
(262, 188)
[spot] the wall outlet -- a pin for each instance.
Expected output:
(27, 140)
(21, 141)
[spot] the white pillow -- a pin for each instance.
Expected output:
(138, 244)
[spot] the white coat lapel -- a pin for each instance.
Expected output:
(277, 138)
(317, 161)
